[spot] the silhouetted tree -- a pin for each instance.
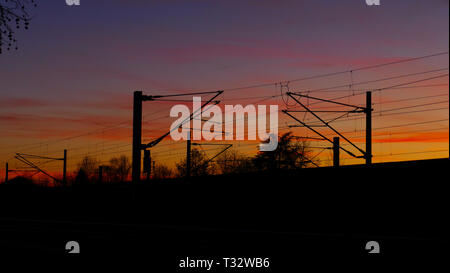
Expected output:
(88, 165)
(162, 172)
(199, 164)
(231, 161)
(290, 154)
(13, 15)
(119, 168)
(81, 179)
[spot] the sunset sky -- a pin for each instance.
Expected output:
(70, 83)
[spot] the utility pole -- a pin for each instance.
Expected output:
(149, 173)
(188, 155)
(336, 152)
(147, 163)
(65, 168)
(100, 174)
(368, 153)
(6, 174)
(25, 158)
(154, 168)
(138, 98)
(137, 136)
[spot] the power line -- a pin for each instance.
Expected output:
(335, 73)
(30, 146)
(393, 87)
(407, 153)
(413, 106)
(409, 124)
(372, 81)
(393, 109)
(125, 123)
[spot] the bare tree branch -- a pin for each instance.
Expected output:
(13, 15)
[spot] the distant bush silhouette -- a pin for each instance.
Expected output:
(119, 168)
(20, 181)
(231, 161)
(290, 154)
(88, 167)
(81, 179)
(200, 164)
(162, 172)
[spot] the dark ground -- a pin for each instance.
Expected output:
(288, 217)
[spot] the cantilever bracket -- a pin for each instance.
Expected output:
(194, 114)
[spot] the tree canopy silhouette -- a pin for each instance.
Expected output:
(290, 154)
(13, 15)
(231, 161)
(199, 164)
(88, 165)
(119, 168)
(162, 172)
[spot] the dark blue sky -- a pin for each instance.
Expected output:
(208, 44)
